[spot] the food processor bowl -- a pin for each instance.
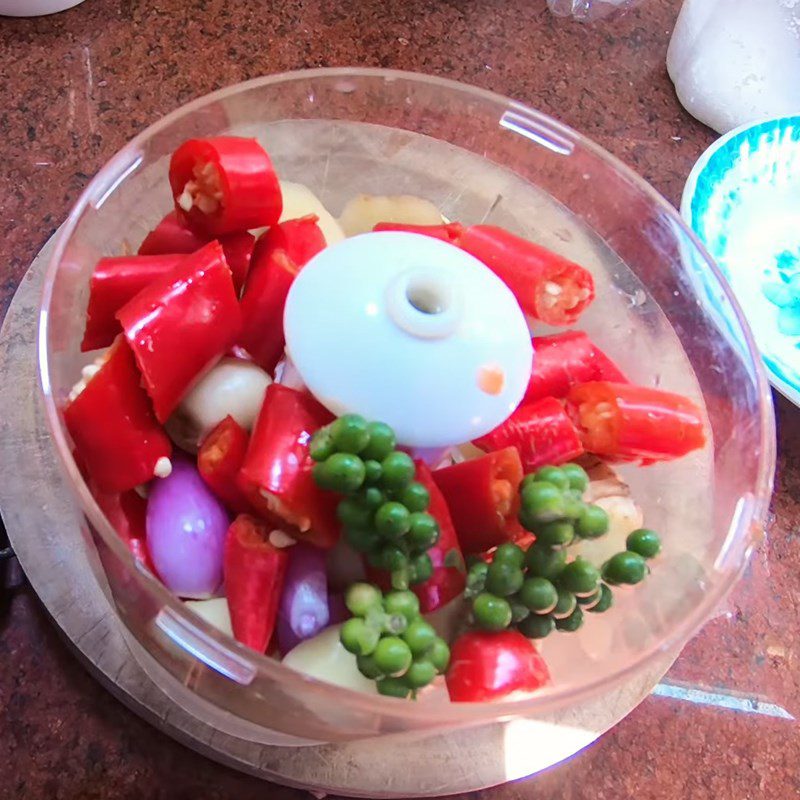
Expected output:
(480, 158)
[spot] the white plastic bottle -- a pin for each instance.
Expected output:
(34, 8)
(736, 61)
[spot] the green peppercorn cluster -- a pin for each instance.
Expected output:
(393, 644)
(384, 511)
(542, 589)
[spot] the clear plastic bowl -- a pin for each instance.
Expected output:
(479, 157)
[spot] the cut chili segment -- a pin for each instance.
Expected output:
(220, 460)
(172, 236)
(224, 184)
(635, 423)
(448, 578)
(565, 359)
(126, 512)
(181, 324)
(301, 239)
(254, 572)
(547, 286)
(117, 437)
(483, 500)
(114, 282)
(277, 470)
(491, 665)
(449, 232)
(542, 433)
(279, 255)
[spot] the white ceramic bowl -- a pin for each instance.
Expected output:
(743, 200)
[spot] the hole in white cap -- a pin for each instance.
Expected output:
(427, 296)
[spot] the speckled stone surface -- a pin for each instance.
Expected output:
(76, 86)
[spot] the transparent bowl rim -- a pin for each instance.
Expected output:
(108, 178)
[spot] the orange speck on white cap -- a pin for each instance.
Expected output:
(491, 379)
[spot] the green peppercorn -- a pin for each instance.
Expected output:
(354, 513)
(509, 553)
(626, 567)
(592, 522)
(392, 656)
(350, 434)
(398, 471)
(555, 534)
(405, 603)
(392, 520)
(541, 502)
(419, 636)
(580, 577)
(415, 497)
(381, 441)
(645, 542)
(545, 562)
(439, 655)
(420, 674)
(374, 497)
(573, 506)
(321, 445)
(554, 475)
(372, 472)
(605, 602)
(538, 595)
(420, 568)
(359, 638)
(537, 626)
(423, 531)
(361, 597)
(503, 579)
(392, 558)
(476, 579)
(565, 604)
(518, 611)
(367, 667)
(588, 601)
(342, 472)
(393, 687)
(572, 622)
(491, 613)
(576, 475)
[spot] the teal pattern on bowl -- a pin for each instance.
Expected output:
(743, 200)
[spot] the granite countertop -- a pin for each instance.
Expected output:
(76, 86)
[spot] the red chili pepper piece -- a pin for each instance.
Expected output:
(450, 232)
(301, 239)
(279, 255)
(542, 433)
(448, 578)
(114, 282)
(126, 512)
(180, 324)
(277, 470)
(220, 460)
(546, 285)
(238, 249)
(224, 184)
(254, 572)
(632, 423)
(565, 359)
(171, 236)
(482, 497)
(489, 666)
(111, 422)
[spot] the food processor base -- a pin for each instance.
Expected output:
(46, 532)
